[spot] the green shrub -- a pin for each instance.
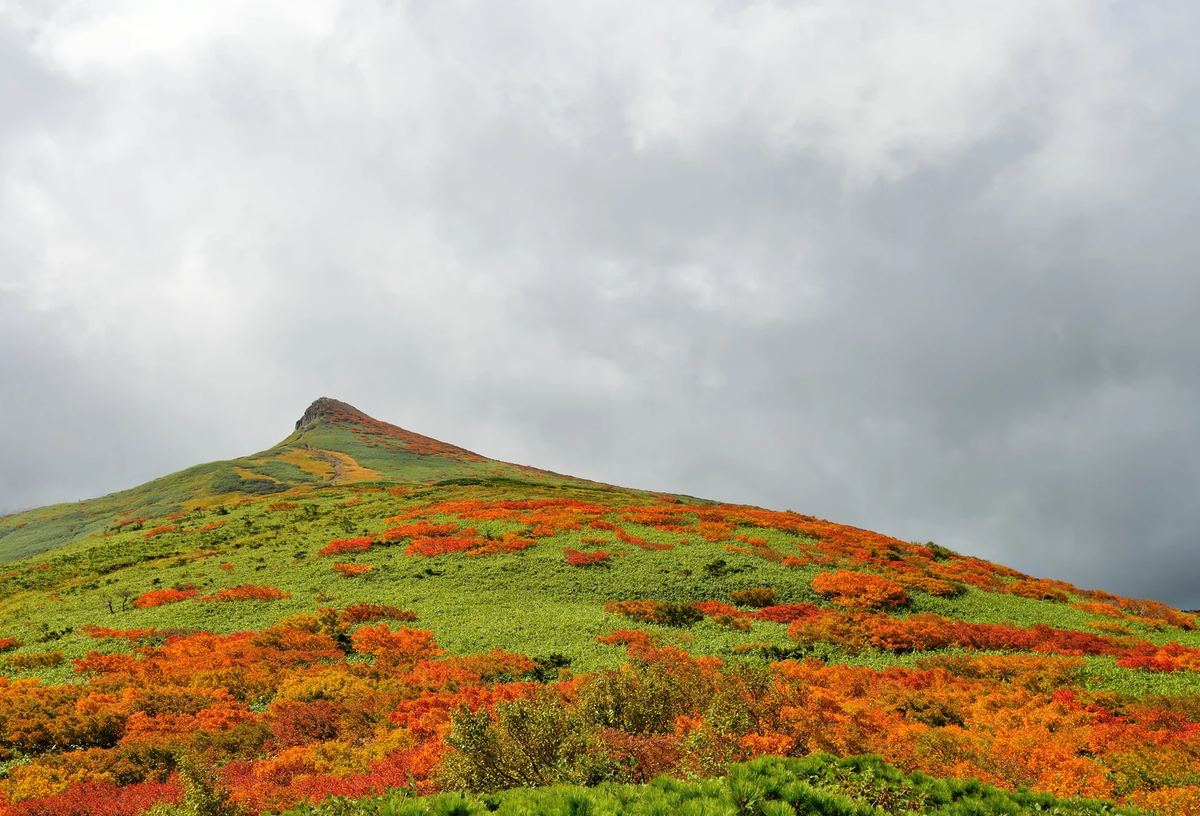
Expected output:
(532, 742)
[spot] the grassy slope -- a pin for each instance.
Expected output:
(69, 566)
(530, 603)
(366, 448)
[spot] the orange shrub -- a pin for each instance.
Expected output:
(350, 570)
(166, 528)
(440, 545)
(735, 622)
(1106, 609)
(403, 645)
(1037, 589)
(421, 529)
(364, 612)
(923, 582)
(508, 543)
(158, 597)
(34, 661)
(98, 663)
(247, 592)
(915, 633)
(645, 611)
(102, 632)
(859, 590)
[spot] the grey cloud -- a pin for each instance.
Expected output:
(931, 274)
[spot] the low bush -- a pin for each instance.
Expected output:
(756, 598)
(859, 590)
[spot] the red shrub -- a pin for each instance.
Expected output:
(158, 597)
(585, 559)
(100, 799)
(1154, 663)
(299, 723)
(786, 613)
(342, 545)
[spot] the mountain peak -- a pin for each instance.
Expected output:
(346, 417)
(326, 407)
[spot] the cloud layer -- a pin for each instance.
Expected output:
(929, 270)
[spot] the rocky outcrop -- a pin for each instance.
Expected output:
(326, 407)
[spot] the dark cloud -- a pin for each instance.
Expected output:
(930, 273)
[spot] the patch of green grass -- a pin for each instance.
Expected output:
(769, 786)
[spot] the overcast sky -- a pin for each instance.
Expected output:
(930, 268)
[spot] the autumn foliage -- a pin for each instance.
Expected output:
(575, 558)
(158, 597)
(346, 701)
(340, 546)
(247, 592)
(859, 590)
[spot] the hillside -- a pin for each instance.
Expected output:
(361, 608)
(333, 444)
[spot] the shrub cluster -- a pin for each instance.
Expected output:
(661, 612)
(575, 558)
(859, 590)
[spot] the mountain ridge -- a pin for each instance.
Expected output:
(332, 443)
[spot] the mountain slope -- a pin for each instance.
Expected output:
(333, 443)
(361, 608)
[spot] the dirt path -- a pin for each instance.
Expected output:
(338, 471)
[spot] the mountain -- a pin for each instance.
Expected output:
(362, 609)
(333, 444)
